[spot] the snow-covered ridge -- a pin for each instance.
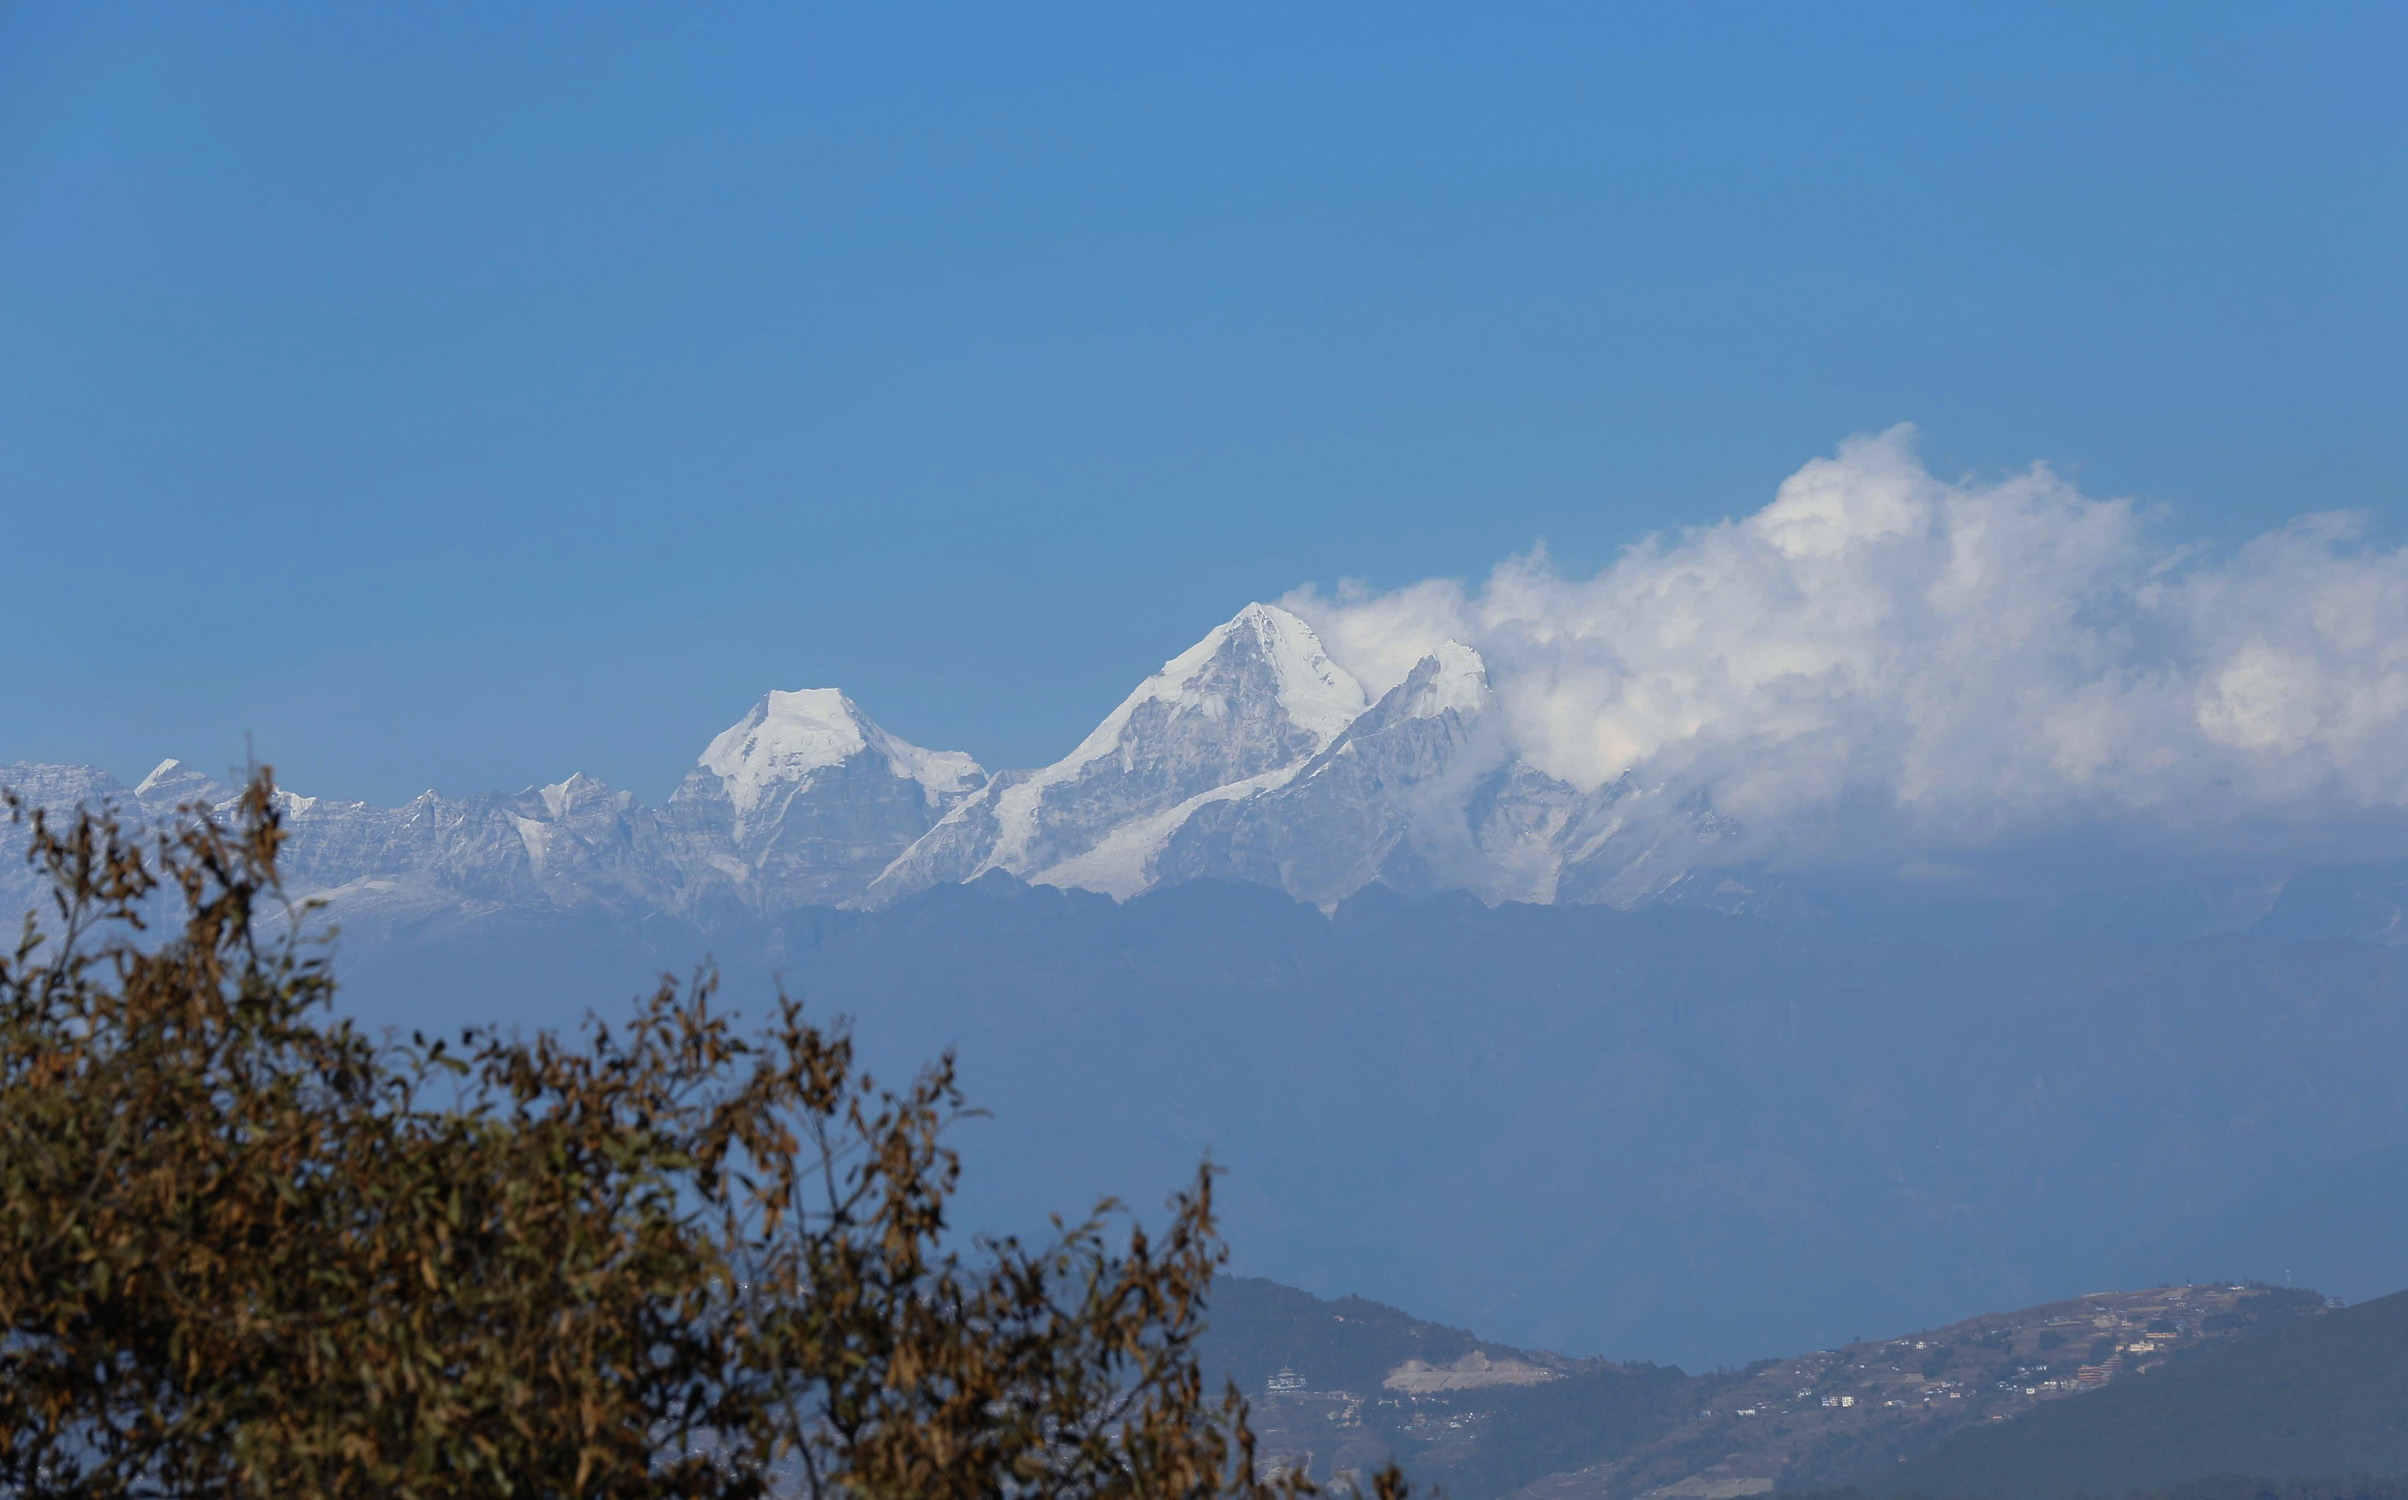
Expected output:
(1881, 676)
(789, 735)
(1252, 755)
(1318, 693)
(1311, 692)
(1457, 682)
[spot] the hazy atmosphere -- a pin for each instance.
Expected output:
(1681, 731)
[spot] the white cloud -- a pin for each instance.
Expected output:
(1880, 660)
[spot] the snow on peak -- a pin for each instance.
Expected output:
(1453, 677)
(561, 796)
(1320, 696)
(1313, 694)
(172, 780)
(1317, 695)
(789, 735)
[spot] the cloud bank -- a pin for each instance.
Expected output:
(1881, 660)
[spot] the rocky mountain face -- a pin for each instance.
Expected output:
(1250, 757)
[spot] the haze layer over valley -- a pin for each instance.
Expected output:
(1583, 958)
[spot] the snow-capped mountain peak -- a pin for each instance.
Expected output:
(805, 799)
(1313, 693)
(1320, 696)
(172, 784)
(789, 735)
(563, 798)
(1452, 678)
(1251, 755)
(1237, 712)
(1257, 693)
(785, 737)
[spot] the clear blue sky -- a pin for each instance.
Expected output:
(463, 395)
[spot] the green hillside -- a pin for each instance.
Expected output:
(2321, 1396)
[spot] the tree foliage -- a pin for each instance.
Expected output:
(246, 1248)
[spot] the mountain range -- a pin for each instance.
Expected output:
(1547, 1061)
(1251, 757)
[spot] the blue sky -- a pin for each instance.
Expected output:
(460, 396)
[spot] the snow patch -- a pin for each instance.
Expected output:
(556, 796)
(159, 773)
(536, 837)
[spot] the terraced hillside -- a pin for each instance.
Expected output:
(2322, 1396)
(1340, 1386)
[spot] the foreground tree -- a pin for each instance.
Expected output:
(246, 1249)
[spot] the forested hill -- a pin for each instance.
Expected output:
(2325, 1395)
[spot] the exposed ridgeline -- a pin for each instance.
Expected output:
(1250, 757)
(802, 802)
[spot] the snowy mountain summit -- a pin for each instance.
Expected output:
(1250, 756)
(804, 800)
(790, 739)
(1234, 715)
